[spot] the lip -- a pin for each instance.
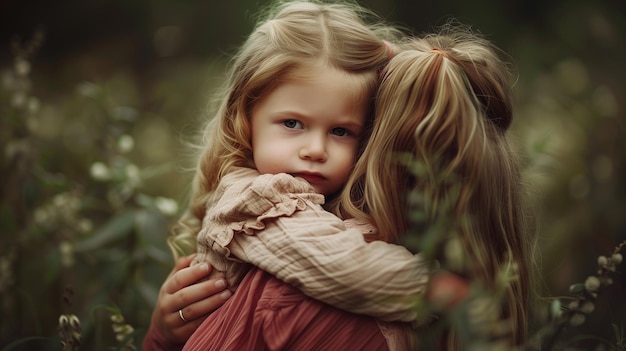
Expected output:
(310, 177)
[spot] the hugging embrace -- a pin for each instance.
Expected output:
(299, 205)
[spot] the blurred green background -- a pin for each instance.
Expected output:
(93, 160)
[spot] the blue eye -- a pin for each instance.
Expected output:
(340, 131)
(292, 123)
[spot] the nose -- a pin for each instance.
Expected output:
(314, 149)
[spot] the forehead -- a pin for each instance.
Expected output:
(359, 84)
(319, 89)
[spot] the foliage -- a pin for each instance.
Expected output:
(89, 186)
(82, 225)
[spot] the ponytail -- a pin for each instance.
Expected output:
(445, 100)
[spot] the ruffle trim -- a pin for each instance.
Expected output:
(245, 200)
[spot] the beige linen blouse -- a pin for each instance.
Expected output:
(277, 223)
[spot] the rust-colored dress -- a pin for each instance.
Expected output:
(267, 314)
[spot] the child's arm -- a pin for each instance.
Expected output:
(313, 251)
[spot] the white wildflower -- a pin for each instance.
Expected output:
(617, 258)
(592, 283)
(125, 143)
(60, 200)
(69, 331)
(63, 320)
(100, 171)
(128, 329)
(118, 328)
(74, 321)
(166, 206)
(122, 331)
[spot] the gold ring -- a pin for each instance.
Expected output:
(180, 313)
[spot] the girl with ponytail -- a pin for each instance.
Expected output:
(445, 100)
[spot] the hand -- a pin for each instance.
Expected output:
(186, 290)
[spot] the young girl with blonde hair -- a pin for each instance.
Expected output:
(297, 106)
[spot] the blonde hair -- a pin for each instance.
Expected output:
(445, 99)
(342, 36)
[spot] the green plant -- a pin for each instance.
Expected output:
(74, 216)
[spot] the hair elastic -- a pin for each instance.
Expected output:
(440, 52)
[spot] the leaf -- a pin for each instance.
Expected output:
(114, 229)
(152, 226)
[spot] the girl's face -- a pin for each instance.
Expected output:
(309, 127)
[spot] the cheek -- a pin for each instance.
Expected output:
(267, 157)
(260, 159)
(347, 160)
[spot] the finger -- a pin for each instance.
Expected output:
(185, 277)
(198, 292)
(206, 304)
(181, 262)
(198, 310)
(180, 330)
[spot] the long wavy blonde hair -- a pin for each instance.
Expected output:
(341, 35)
(445, 99)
